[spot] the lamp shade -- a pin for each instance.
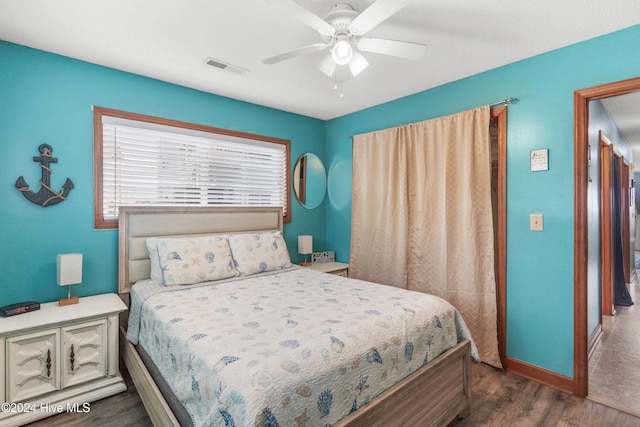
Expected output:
(342, 51)
(305, 245)
(69, 269)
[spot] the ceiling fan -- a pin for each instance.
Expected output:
(343, 33)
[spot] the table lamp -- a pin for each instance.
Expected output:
(305, 247)
(69, 268)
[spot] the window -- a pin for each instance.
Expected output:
(159, 162)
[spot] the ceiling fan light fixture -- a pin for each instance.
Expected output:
(357, 64)
(342, 51)
(327, 66)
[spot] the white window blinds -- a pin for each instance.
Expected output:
(155, 164)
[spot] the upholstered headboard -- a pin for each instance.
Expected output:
(137, 223)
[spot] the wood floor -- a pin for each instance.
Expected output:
(504, 399)
(614, 368)
(499, 399)
(122, 410)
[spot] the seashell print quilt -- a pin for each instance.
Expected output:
(294, 347)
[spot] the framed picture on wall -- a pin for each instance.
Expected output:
(540, 160)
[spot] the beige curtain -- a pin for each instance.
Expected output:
(381, 197)
(422, 219)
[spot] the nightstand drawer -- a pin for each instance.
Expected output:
(33, 367)
(84, 353)
(343, 273)
(337, 268)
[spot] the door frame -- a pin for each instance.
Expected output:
(625, 222)
(581, 100)
(606, 225)
(500, 113)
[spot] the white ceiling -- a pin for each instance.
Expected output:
(171, 41)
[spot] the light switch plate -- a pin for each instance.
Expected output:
(536, 222)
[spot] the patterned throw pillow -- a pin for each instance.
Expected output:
(255, 253)
(187, 261)
(154, 259)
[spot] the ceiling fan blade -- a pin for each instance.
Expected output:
(357, 64)
(297, 52)
(375, 14)
(327, 66)
(305, 16)
(392, 47)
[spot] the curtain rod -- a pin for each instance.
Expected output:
(506, 101)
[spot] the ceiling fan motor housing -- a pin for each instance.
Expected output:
(340, 17)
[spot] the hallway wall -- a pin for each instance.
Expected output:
(599, 120)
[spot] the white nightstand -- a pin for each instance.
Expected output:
(337, 268)
(59, 358)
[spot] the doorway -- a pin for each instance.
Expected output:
(581, 221)
(616, 255)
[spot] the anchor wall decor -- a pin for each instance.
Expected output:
(46, 196)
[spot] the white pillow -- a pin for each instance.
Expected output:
(255, 253)
(185, 261)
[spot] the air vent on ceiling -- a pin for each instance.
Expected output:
(227, 67)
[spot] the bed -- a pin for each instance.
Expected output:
(274, 347)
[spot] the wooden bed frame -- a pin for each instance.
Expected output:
(436, 394)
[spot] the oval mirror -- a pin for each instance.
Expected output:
(309, 180)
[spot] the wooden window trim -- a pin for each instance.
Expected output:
(98, 112)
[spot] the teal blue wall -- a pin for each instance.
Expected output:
(539, 264)
(46, 98)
